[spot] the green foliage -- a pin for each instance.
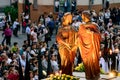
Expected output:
(102, 71)
(81, 68)
(13, 12)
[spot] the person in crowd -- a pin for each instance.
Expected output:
(89, 44)
(25, 42)
(24, 25)
(101, 17)
(33, 51)
(33, 35)
(6, 58)
(4, 27)
(57, 24)
(5, 75)
(51, 26)
(104, 63)
(45, 62)
(118, 62)
(27, 53)
(41, 19)
(13, 74)
(94, 16)
(47, 20)
(43, 47)
(110, 24)
(54, 64)
(35, 63)
(5, 66)
(1, 49)
(8, 18)
(47, 36)
(22, 49)
(66, 39)
(28, 32)
(16, 26)
(8, 35)
(106, 16)
(23, 61)
(42, 31)
(1, 69)
(26, 18)
(15, 48)
(76, 23)
(102, 26)
(6, 48)
(35, 74)
(31, 75)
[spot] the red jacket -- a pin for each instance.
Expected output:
(13, 76)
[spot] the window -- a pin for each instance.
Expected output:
(64, 5)
(73, 5)
(57, 5)
(35, 4)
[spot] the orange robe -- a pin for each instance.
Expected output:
(66, 39)
(89, 45)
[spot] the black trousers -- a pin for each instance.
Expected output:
(8, 40)
(15, 32)
(28, 38)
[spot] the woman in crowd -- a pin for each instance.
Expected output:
(8, 34)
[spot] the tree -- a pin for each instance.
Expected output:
(13, 12)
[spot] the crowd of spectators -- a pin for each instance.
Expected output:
(13, 58)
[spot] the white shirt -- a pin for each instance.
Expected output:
(27, 17)
(23, 62)
(77, 24)
(15, 24)
(109, 24)
(43, 49)
(104, 64)
(28, 31)
(101, 18)
(107, 15)
(44, 64)
(54, 65)
(33, 52)
(36, 77)
(25, 53)
(9, 61)
(47, 20)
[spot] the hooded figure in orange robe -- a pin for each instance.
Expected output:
(66, 39)
(89, 44)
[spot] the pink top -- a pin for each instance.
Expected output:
(8, 32)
